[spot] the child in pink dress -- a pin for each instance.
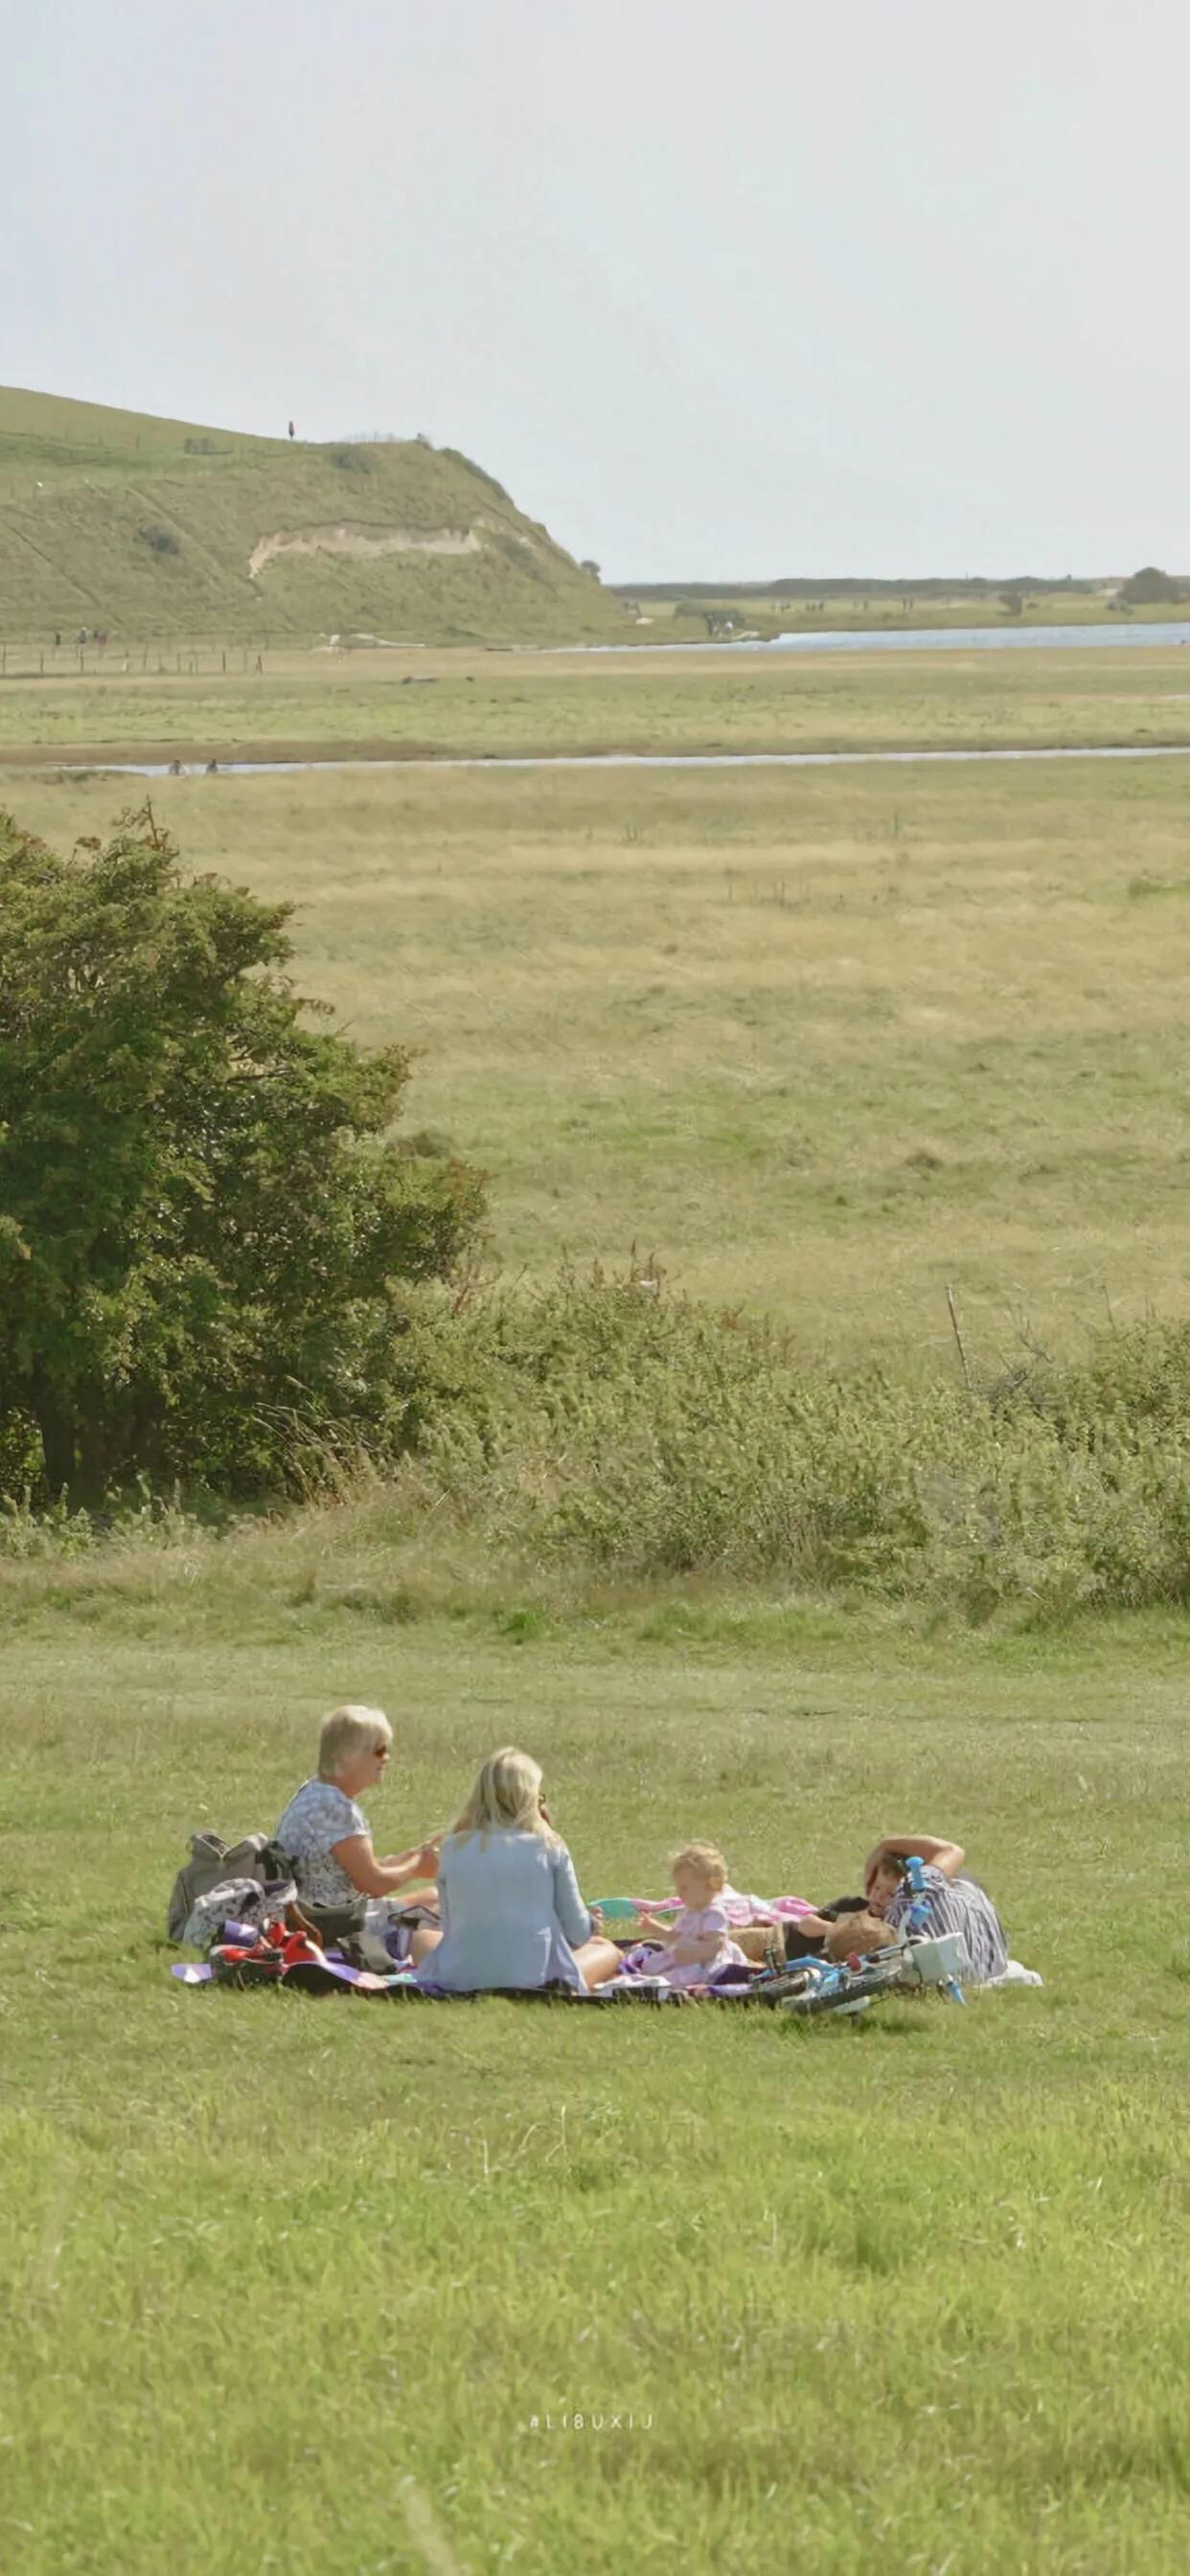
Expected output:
(699, 1943)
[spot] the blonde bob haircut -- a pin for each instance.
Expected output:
(506, 1797)
(346, 1732)
(707, 1859)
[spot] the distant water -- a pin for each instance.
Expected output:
(630, 760)
(924, 639)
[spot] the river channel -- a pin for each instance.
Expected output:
(624, 760)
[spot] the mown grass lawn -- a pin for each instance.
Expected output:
(328, 2285)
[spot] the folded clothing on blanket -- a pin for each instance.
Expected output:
(234, 1900)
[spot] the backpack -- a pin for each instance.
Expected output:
(213, 1863)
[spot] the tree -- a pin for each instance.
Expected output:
(1146, 587)
(203, 1216)
(589, 566)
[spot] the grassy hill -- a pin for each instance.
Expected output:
(147, 527)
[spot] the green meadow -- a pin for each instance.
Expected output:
(331, 2283)
(431, 704)
(344, 2286)
(821, 1041)
(151, 529)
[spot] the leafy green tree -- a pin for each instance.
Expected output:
(1145, 588)
(203, 1215)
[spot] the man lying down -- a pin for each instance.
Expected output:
(954, 1903)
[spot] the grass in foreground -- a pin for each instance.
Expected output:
(330, 2284)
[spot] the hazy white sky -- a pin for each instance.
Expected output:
(738, 287)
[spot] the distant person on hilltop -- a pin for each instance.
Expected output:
(291, 429)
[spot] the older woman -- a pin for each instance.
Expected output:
(508, 1897)
(341, 1884)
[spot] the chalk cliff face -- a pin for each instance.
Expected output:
(139, 527)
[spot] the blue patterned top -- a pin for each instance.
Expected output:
(319, 1816)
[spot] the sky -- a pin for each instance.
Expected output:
(717, 288)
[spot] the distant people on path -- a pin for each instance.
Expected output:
(508, 1898)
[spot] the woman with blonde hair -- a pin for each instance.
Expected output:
(344, 1889)
(511, 1912)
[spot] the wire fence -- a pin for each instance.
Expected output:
(95, 653)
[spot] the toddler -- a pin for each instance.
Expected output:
(699, 1943)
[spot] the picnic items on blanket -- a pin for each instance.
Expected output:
(239, 1902)
(294, 1961)
(278, 1956)
(810, 1989)
(254, 1941)
(256, 1861)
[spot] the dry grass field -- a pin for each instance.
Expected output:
(823, 1041)
(430, 704)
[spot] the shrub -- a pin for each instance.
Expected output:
(1148, 586)
(161, 540)
(601, 1427)
(203, 1224)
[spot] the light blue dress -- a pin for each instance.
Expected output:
(510, 1911)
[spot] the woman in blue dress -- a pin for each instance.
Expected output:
(509, 1902)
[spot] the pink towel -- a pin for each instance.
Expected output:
(740, 1909)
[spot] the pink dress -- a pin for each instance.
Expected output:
(696, 1927)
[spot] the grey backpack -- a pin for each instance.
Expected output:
(213, 1863)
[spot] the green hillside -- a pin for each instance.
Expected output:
(147, 527)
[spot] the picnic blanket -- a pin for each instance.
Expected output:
(291, 1960)
(272, 1953)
